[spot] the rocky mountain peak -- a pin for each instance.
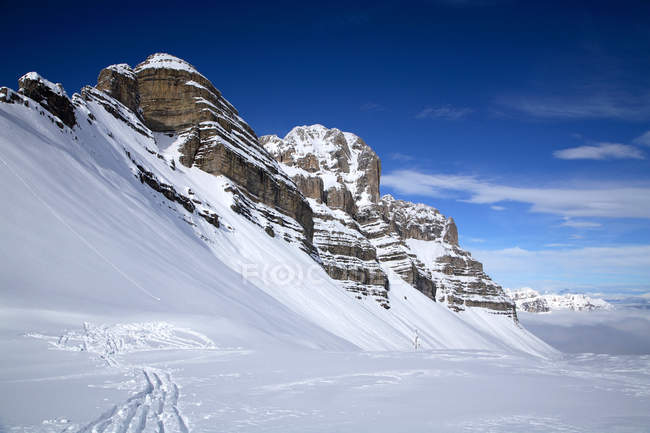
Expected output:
(51, 96)
(419, 221)
(349, 169)
(172, 97)
(166, 61)
(120, 82)
(339, 171)
(531, 301)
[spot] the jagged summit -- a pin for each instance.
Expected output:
(531, 301)
(347, 166)
(36, 77)
(166, 61)
(340, 173)
(122, 68)
(171, 97)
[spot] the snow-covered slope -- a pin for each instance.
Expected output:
(104, 221)
(138, 294)
(532, 301)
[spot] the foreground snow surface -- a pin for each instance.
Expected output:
(161, 376)
(120, 311)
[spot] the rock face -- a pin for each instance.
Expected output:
(532, 301)
(433, 239)
(340, 174)
(51, 96)
(341, 159)
(391, 250)
(317, 186)
(172, 97)
(120, 82)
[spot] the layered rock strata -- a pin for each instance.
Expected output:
(172, 97)
(340, 174)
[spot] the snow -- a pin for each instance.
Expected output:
(166, 61)
(319, 141)
(429, 251)
(55, 88)
(122, 69)
(555, 302)
(120, 310)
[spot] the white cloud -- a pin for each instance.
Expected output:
(581, 224)
(372, 106)
(444, 112)
(401, 157)
(497, 208)
(643, 139)
(557, 245)
(600, 151)
(610, 200)
(595, 268)
(604, 104)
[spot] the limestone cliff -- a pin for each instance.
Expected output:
(174, 99)
(340, 174)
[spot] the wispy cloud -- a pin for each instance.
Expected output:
(600, 151)
(446, 112)
(372, 106)
(558, 267)
(610, 200)
(603, 104)
(497, 208)
(643, 139)
(401, 157)
(580, 224)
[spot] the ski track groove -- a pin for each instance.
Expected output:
(153, 409)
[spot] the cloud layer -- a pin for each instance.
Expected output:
(444, 112)
(609, 200)
(618, 267)
(614, 332)
(600, 151)
(601, 105)
(643, 139)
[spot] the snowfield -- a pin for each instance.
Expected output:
(121, 311)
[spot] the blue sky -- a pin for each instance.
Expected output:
(524, 122)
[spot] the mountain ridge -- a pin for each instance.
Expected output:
(227, 237)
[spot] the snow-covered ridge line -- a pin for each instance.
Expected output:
(166, 61)
(55, 88)
(530, 300)
(233, 271)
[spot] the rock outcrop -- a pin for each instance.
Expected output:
(341, 175)
(51, 96)
(120, 82)
(433, 238)
(172, 97)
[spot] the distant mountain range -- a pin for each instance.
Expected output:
(532, 301)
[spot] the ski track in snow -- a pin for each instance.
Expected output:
(155, 408)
